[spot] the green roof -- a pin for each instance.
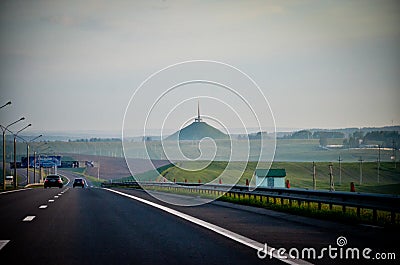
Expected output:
(280, 172)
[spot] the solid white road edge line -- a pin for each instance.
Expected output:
(4, 192)
(222, 231)
(28, 218)
(3, 243)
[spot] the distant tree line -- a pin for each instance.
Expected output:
(92, 140)
(388, 139)
(306, 134)
(253, 136)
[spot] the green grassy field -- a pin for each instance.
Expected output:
(290, 150)
(295, 156)
(82, 171)
(300, 175)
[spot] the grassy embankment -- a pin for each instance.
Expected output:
(300, 175)
(311, 210)
(82, 172)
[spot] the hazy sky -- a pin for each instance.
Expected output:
(73, 65)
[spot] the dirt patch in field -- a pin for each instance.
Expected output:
(116, 167)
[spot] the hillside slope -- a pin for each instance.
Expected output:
(197, 131)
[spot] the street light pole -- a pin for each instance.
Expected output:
(4, 150)
(379, 160)
(340, 170)
(4, 159)
(394, 153)
(8, 103)
(27, 163)
(27, 160)
(15, 154)
(34, 167)
(40, 166)
(34, 159)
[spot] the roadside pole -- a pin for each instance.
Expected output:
(361, 174)
(331, 183)
(340, 170)
(314, 177)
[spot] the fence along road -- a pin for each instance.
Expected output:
(375, 202)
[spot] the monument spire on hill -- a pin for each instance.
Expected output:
(197, 130)
(198, 119)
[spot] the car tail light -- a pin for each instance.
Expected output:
(59, 181)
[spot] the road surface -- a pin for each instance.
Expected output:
(95, 226)
(98, 226)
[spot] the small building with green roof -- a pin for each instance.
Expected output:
(270, 178)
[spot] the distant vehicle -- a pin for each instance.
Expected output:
(89, 163)
(9, 180)
(53, 181)
(79, 182)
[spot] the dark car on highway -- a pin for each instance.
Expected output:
(53, 181)
(79, 182)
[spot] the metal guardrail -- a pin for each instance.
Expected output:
(375, 202)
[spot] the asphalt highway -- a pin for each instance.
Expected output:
(98, 226)
(95, 226)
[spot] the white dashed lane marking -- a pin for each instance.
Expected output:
(51, 200)
(42, 206)
(29, 218)
(3, 243)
